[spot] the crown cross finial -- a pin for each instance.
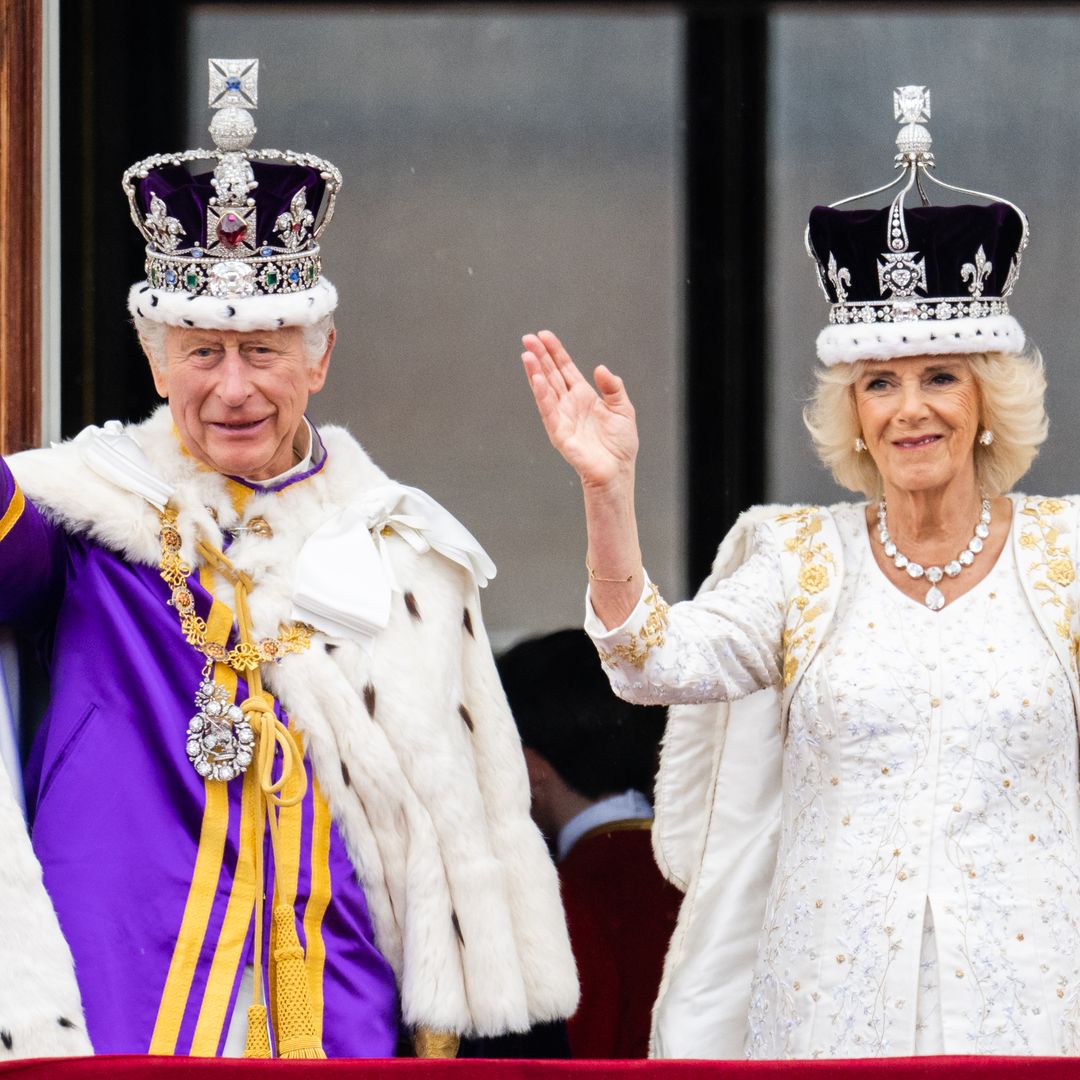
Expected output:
(234, 83)
(911, 108)
(911, 104)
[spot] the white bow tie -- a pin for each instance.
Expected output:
(345, 577)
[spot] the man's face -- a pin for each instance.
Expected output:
(238, 400)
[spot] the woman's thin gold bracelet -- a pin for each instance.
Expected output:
(593, 576)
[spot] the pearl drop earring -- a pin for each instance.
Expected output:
(860, 445)
(986, 438)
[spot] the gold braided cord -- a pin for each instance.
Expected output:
(257, 1044)
(297, 1031)
(429, 1043)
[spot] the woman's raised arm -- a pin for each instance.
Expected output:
(595, 431)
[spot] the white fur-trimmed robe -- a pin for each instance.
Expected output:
(413, 745)
(40, 1010)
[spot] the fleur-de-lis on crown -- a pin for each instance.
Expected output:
(293, 226)
(1011, 276)
(840, 277)
(163, 230)
(975, 274)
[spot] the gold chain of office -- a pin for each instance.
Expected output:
(247, 655)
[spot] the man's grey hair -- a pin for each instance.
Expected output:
(152, 335)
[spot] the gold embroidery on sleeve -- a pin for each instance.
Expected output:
(815, 559)
(1054, 571)
(636, 650)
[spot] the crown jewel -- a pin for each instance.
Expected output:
(927, 265)
(252, 226)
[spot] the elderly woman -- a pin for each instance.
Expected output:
(878, 829)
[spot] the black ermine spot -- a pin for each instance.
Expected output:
(467, 717)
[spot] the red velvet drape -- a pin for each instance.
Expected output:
(925, 1068)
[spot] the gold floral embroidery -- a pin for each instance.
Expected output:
(1041, 535)
(791, 666)
(1061, 571)
(635, 651)
(813, 577)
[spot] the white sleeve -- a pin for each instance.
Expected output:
(724, 644)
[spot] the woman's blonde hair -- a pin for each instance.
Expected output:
(1012, 387)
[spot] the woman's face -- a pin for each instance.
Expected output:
(919, 419)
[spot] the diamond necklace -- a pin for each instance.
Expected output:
(935, 598)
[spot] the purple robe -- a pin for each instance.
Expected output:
(141, 856)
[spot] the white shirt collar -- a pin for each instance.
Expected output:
(630, 805)
(299, 467)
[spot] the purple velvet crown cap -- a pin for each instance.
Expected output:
(946, 238)
(187, 196)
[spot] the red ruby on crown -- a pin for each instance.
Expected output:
(231, 229)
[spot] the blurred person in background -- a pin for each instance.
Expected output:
(591, 760)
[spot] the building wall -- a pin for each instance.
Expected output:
(505, 171)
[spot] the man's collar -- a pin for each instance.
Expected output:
(628, 805)
(311, 463)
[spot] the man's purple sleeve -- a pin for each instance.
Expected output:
(32, 556)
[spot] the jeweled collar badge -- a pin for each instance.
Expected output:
(220, 740)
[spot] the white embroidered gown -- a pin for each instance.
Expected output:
(926, 897)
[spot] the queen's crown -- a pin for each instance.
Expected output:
(921, 264)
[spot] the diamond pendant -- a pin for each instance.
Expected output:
(935, 598)
(220, 741)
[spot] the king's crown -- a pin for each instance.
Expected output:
(252, 225)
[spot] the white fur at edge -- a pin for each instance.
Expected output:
(269, 312)
(37, 978)
(435, 815)
(845, 344)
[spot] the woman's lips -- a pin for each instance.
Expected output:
(915, 443)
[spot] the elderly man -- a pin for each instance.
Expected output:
(278, 798)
